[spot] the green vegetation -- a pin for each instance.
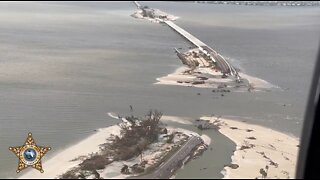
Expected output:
(135, 136)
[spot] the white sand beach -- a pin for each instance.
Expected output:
(139, 15)
(214, 80)
(62, 161)
(257, 82)
(152, 155)
(258, 147)
(69, 158)
(173, 78)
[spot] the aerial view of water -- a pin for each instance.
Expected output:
(65, 65)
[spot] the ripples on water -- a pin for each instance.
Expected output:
(65, 65)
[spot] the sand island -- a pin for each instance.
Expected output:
(145, 147)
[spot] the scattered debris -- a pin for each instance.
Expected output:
(205, 124)
(232, 166)
(125, 169)
(251, 138)
(203, 78)
(263, 173)
(274, 148)
(136, 168)
(197, 82)
(249, 146)
(221, 90)
(270, 160)
(224, 76)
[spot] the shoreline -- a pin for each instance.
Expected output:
(70, 157)
(260, 151)
(279, 153)
(256, 148)
(63, 160)
(213, 80)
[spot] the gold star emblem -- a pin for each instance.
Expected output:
(29, 154)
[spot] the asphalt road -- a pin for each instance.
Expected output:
(166, 169)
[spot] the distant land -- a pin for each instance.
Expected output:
(262, 3)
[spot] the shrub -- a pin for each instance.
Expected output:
(94, 163)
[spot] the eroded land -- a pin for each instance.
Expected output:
(134, 148)
(203, 67)
(144, 147)
(153, 15)
(201, 72)
(260, 153)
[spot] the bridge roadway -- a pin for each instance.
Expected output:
(137, 4)
(166, 170)
(185, 34)
(222, 63)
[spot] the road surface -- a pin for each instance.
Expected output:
(222, 63)
(166, 170)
